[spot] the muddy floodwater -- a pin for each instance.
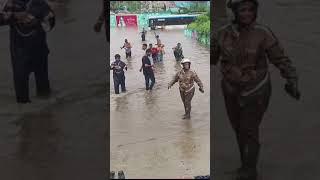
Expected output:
(149, 138)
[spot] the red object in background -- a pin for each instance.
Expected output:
(128, 20)
(154, 51)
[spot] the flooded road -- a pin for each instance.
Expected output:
(64, 137)
(149, 139)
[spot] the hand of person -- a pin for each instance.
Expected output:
(291, 87)
(25, 18)
(140, 69)
(169, 86)
(20, 17)
(201, 90)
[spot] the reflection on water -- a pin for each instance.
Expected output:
(39, 136)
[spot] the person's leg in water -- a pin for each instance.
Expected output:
(233, 112)
(146, 76)
(21, 72)
(123, 83)
(159, 56)
(116, 84)
(183, 97)
(251, 116)
(153, 80)
(41, 75)
(187, 101)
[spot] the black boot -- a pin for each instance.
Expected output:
(253, 156)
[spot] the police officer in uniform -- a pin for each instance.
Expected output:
(186, 79)
(29, 20)
(244, 49)
(119, 78)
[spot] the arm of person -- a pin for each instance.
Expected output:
(198, 81)
(49, 21)
(277, 57)
(112, 66)
(141, 64)
(125, 66)
(174, 80)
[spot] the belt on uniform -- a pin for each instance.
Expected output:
(189, 89)
(261, 83)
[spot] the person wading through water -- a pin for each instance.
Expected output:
(127, 46)
(243, 48)
(29, 22)
(147, 67)
(119, 78)
(186, 79)
(178, 52)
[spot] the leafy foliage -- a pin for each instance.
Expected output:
(201, 24)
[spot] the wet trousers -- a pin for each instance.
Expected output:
(186, 98)
(22, 67)
(149, 77)
(245, 115)
(119, 80)
(128, 54)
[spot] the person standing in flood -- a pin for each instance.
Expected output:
(178, 52)
(161, 52)
(154, 52)
(158, 40)
(143, 34)
(246, 80)
(29, 22)
(186, 78)
(147, 68)
(119, 78)
(127, 46)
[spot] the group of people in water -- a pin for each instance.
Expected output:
(154, 54)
